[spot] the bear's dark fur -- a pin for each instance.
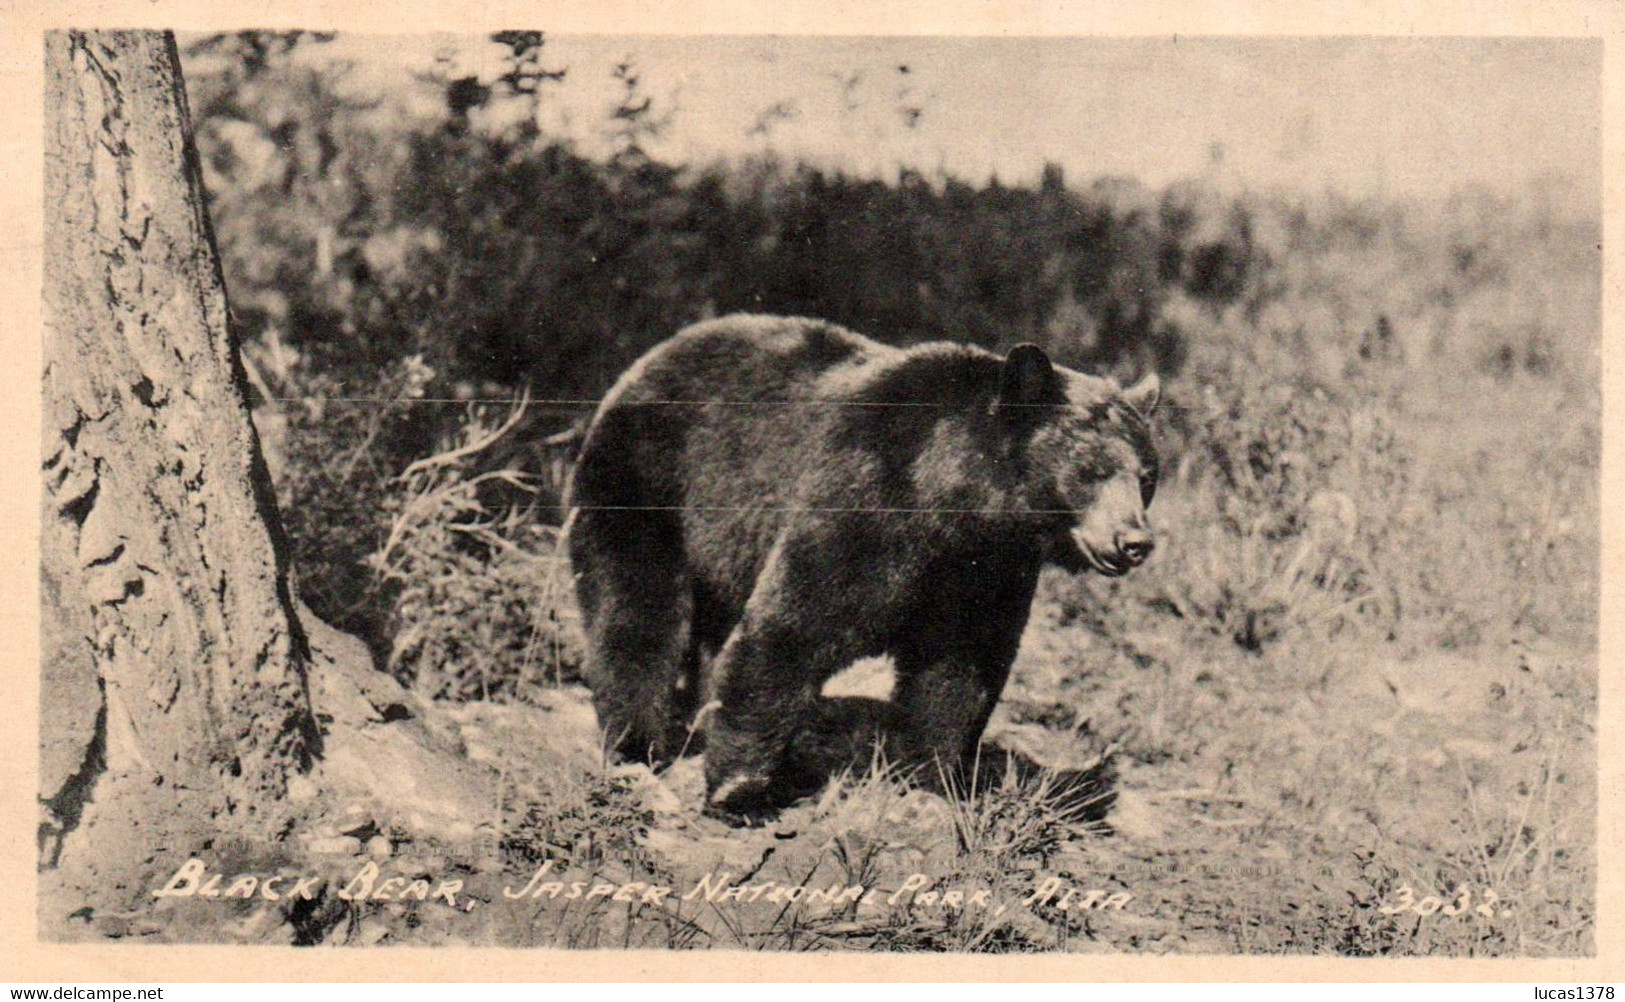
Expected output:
(761, 501)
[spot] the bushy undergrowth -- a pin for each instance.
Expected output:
(480, 601)
(335, 447)
(438, 560)
(438, 221)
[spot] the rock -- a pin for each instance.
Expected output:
(1136, 817)
(421, 866)
(379, 848)
(340, 845)
(686, 779)
(357, 820)
(924, 820)
(654, 795)
(397, 768)
(301, 790)
(1447, 685)
(1474, 750)
(343, 681)
(562, 729)
(1332, 517)
(260, 926)
(372, 933)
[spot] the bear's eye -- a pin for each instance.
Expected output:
(1093, 473)
(1148, 488)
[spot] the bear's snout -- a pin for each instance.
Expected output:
(1135, 545)
(1115, 554)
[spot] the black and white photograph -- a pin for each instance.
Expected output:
(852, 494)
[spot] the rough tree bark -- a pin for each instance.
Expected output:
(175, 701)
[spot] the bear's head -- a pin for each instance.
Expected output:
(1091, 463)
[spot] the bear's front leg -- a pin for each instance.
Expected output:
(767, 683)
(952, 667)
(945, 705)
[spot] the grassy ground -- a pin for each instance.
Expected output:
(1281, 815)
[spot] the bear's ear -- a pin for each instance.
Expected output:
(1029, 378)
(1143, 396)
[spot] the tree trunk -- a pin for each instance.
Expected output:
(174, 699)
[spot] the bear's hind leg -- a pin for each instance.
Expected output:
(637, 606)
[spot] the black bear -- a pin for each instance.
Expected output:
(761, 501)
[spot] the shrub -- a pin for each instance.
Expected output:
(481, 609)
(1278, 497)
(455, 587)
(333, 446)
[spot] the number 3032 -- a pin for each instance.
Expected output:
(1461, 903)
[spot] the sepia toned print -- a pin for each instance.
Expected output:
(822, 494)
